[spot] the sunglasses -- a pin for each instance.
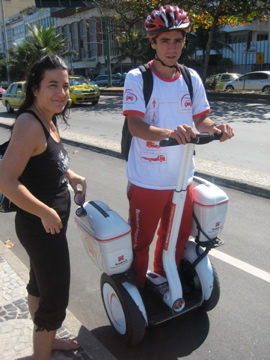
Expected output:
(79, 199)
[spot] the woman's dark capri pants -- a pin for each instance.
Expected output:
(49, 264)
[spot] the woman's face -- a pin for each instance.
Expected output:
(53, 92)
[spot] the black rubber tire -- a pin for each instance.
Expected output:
(229, 87)
(9, 108)
(95, 102)
(209, 304)
(266, 89)
(133, 329)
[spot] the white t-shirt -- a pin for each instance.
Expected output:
(149, 165)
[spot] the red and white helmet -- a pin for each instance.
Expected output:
(167, 18)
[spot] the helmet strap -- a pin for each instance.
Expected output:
(169, 66)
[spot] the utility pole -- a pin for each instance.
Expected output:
(4, 40)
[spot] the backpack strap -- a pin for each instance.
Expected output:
(186, 75)
(147, 82)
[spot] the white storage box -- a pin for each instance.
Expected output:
(106, 237)
(210, 207)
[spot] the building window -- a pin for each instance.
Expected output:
(83, 39)
(75, 38)
(262, 37)
(67, 37)
(237, 39)
(94, 42)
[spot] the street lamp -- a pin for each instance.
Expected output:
(107, 40)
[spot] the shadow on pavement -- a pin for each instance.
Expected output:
(171, 340)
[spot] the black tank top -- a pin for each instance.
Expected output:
(44, 175)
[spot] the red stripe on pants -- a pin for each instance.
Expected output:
(146, 208)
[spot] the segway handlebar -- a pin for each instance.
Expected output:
(200, 139)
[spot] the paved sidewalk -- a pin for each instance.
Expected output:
(16, 325)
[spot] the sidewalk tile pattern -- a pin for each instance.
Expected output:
(15, 322)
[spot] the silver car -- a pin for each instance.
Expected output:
(102, 80)
(256, 80)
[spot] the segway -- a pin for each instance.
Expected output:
(192, 284)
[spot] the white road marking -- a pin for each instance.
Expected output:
(241, 265)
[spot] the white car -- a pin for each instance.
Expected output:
(256, 80)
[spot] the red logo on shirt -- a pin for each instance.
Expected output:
(186, 101)
(130, 97)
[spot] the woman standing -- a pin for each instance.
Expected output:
(34, 175)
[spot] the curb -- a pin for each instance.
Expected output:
(244, 180)
(221, 179)
(248, 188)
(211, 95)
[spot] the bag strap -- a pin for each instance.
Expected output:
(187, 77)
(147, 82)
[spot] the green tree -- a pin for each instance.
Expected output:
(207, 15)
(39, 42)
(212, 14)
(132, 45)
(129, 17)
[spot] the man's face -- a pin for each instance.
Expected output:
(169, 46)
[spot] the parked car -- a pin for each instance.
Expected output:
(14, 96)
(2, 90)
(256, 81)
(82, 90)
(102, 80)
(209, 81)
(217, 81)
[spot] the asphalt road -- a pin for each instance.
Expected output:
(237, 329)
(249, 148)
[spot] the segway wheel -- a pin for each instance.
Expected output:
(210, 303)
(122, 311)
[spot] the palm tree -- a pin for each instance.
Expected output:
(39, 42)
(132, 45)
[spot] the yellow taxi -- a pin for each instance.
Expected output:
(82, 90)
(14, 96)
(216, 82)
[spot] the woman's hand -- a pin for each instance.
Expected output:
(75, 180)
(52, 222)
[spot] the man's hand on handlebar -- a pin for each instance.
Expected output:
(183, 134)
(225, 129)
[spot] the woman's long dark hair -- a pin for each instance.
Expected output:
(35, 76)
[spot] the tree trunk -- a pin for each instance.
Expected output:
(208, 49)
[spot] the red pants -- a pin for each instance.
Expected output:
(148, 207)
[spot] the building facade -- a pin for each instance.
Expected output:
(250, 49)
(93, 36)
